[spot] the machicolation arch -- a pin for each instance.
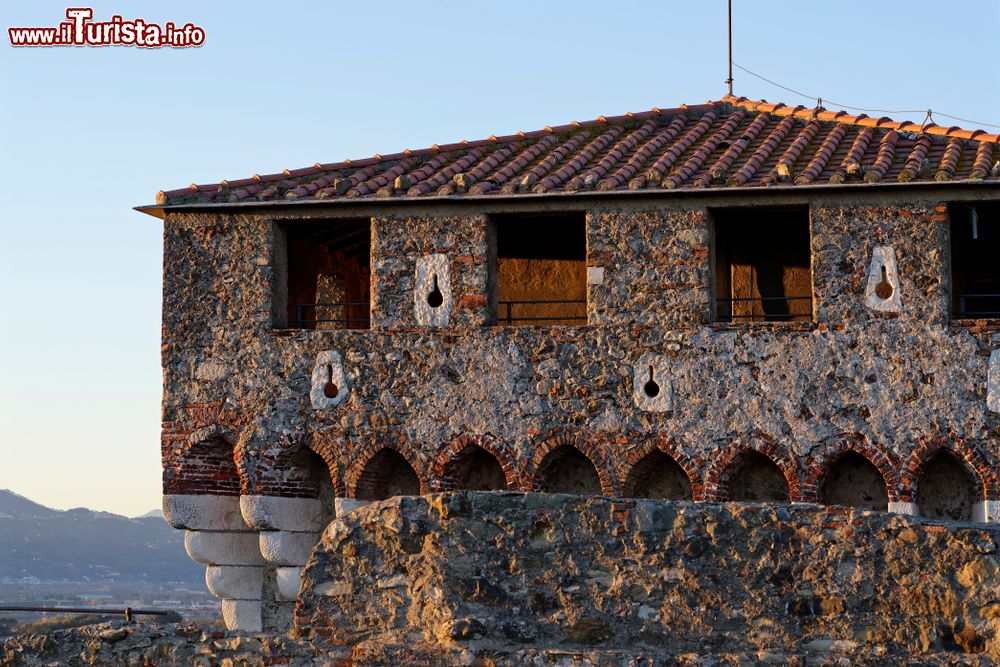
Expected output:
(387, 473)
(309, 477)
(569, 463)
(851, 471)
(208, 468)
(657, 475)
(947, 477)
(565, 469)
(754, 477)
(854, 481)
(475, 463)
(946, 489)
(755, 469)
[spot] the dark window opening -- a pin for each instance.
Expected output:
(975, 270)
(756, 478)
(323, 272)
(853, 481)
(946, 490)
(657, 475)
(762, 265)
(566, 470)
(386, 475)
(540, 270)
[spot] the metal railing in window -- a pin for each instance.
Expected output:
(725, 309)
(308, 315)
(513, 312)
(977, 305)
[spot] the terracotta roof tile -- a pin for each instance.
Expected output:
(782, 171)
(734, 142)
(851, 165)
(822, 155)
(726, 160)
(643, 154)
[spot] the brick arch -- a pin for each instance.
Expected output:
(187, 467)
(453, 451)
(984, 472)
(583, 443)
(279, 455)
(716, 485)
(818, 465)
(661, 443)
(361, 457)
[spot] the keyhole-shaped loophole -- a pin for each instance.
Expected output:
(435, 298)
(883, 290)
(330, 390)
(652, 387)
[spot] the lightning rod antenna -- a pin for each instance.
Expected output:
(729, 81)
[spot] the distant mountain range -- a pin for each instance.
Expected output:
(83, 545)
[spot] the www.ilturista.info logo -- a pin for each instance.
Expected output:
(79, 30)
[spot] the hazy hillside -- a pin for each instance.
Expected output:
(81, 545)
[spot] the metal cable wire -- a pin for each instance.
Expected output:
(929, 112)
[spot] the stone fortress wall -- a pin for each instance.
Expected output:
(883, 403)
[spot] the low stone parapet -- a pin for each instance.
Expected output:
(511, 571)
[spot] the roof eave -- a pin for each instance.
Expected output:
(160, 210)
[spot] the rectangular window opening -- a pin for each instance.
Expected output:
(975, 260)
(539, 270)
(762, 265)
(323, 275)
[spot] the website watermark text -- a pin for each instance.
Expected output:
(81, 30)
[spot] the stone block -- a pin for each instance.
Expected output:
(283, 547)
(595, 275)
(287, 579)
(235, 582)
(203, 512)
(909, 509)
(986, 511)
(329, 382)
(242, 615)
(651, 383)
(432, 291)
(278, 513)
(223, 547)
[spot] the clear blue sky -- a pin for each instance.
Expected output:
(87, 133)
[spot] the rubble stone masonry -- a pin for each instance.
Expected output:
(896, 385)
